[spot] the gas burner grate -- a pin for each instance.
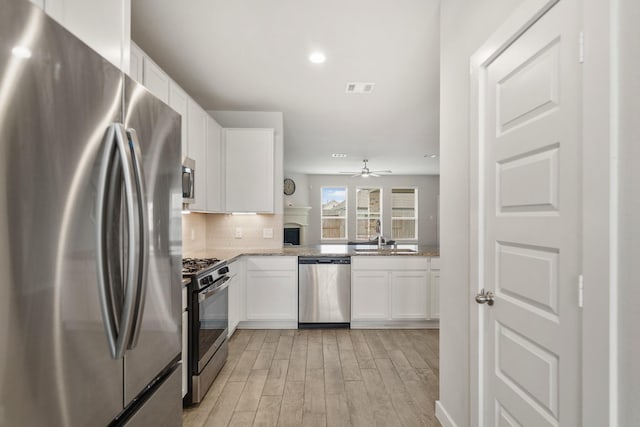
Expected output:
(193, 265)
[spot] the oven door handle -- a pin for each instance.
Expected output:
(205, 295)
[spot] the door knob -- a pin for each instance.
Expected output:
(484, 297)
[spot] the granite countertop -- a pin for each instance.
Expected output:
(316, 250)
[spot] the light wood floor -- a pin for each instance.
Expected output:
(324, 378)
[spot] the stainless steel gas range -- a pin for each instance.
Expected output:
(208, 309)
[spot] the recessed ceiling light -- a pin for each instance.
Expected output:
(317, 57)
(431, 156)
(21, 52)
(339, 155)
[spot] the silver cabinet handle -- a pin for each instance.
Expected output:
(142, 234)
(484, 297)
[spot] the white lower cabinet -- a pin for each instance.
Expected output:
(272, 291)
(369, 299)
(390, 291)
(434, 285)
(236, 294)
(185, 341)
(408, 290)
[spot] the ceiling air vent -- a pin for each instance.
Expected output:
(360, 87)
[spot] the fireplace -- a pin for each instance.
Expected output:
(296, 220)
(292, 236)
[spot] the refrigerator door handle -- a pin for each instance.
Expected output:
(143, 234)
(105, 291)
(132, 199)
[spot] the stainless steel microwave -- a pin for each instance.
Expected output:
(188, 180)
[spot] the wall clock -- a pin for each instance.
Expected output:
(289, 186)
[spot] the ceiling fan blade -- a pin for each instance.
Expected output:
(373, 174)
(356, 175)
(384, 171)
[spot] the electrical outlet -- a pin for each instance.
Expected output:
(267, 233)
(238, 233)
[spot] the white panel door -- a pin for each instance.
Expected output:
(529, 245)
(156, 80)
(135, 63)
(214, 167)
(249, 170)
(178, 100)
(197, 131)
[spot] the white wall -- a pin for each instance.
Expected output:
(301, 196)
(428, 187)
(464, 26)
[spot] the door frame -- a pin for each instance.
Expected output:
(600, 94)
(518, 23)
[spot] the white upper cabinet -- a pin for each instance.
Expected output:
(154, 79)
(135, 63)
(213, 167)
(104, 25)
(178, 100)
(197, 130)
(249, 170)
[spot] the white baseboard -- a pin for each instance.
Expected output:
(443, 416)
(268, 324)
(395, 324)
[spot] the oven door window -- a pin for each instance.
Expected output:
(213, 310)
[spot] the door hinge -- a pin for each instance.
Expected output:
(581, 47)
(580, 291)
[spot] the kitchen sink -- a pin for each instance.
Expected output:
(385, 250)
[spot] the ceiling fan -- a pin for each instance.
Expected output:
(366, 173)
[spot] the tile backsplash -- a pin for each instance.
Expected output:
(225, 231)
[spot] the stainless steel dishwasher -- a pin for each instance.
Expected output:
(324, 292)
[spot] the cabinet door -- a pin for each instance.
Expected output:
(197, 129)
(104, 25)
(214, 168)
(135, 64)
(234, 318)
(434, 298)
(249, 170)
(409, 298)
(178, 100)
(185, 350)
(154, 79)
(272, 295)
(369, 295)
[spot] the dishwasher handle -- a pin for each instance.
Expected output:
(324, 260)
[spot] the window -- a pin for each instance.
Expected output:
(404, 213)
(368, 213)
(334, 213)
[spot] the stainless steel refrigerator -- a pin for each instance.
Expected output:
(90, 236)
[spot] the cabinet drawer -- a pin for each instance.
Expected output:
(435, 263)
(272, 263)
(389, 263)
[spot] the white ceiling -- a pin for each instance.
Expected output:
(252, 55)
